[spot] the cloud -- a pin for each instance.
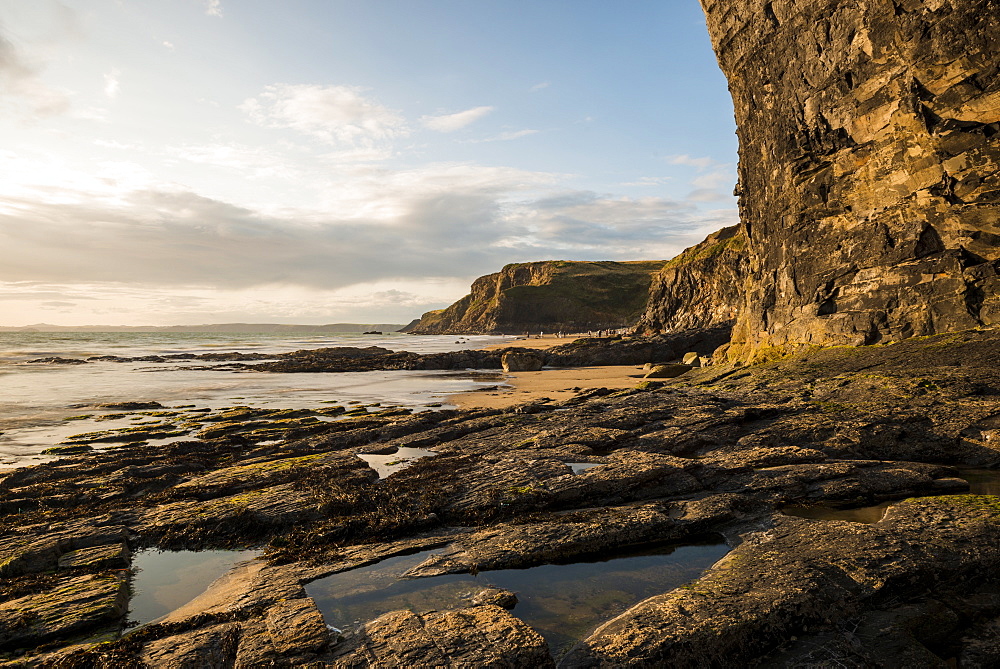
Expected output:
(25, 93)
(702, 163)
(213, 8)
(252, 161)
(114, 303)
(713, 182)
(714, 179)
(334, 114)
(111, 83)
(452, 220)
(115, 144)
(169, 45)
(540, 86)
(506, 136)
(707, 195)
(648, 181)
(456, 121)
(376, 241)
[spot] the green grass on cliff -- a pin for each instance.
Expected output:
(707, 249)
(560, 294)
(611, 290)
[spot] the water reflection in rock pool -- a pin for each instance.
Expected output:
(166, 580)
(564, 602)
(402, 458)
(981, 482)
(864, 514)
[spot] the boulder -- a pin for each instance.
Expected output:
(521, 361)
(667, 371)
(505, 599)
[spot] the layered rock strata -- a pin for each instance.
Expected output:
(547, 296)
(868, 184)
(700, 288)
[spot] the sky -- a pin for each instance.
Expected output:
(319, 161)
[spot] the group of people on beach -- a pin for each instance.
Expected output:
(590, 333)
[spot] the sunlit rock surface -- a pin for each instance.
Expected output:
(868, 181)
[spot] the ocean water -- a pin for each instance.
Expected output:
(36, 399)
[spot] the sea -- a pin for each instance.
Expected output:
(40, 403)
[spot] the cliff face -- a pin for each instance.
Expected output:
(549, 296)
(869, 192)
(700, 288)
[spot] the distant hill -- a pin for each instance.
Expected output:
(279, 328)
(548, 296)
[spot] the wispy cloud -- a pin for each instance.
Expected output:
(506, 136)
(213, 8)
(248, 160)
(540, 86)
(456, 121)
(25, 93)
(334, 114)
(702, 163)
(713, 182)
(713, 179)
(112, 83)
(648, 181)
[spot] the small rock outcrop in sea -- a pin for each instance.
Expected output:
(869, 184)
(548, 296)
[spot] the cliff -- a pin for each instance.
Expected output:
(869, 193)
(549, 296)
(700, 288)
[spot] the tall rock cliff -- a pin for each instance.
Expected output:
(549, 296)
(868, 181)
(700, 288)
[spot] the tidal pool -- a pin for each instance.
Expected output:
(163, 581)
(402, 458)
(981, 482)
(863, 514)
(563, 602)
(580, 467)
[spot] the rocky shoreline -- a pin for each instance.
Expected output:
(584, 351)
(716, 452)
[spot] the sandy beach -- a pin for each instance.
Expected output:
(546, 341)
(553, 384)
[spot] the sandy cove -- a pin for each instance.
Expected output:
(552, 384)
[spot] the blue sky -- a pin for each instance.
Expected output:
(195, 161)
